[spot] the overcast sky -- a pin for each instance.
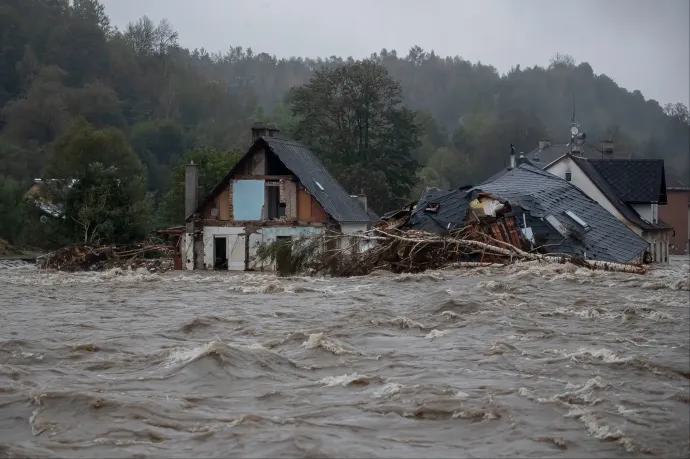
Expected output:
(640, 44)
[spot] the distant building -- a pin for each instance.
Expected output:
(43, 193)
(677, 214)
(630, 189)
(278, 190)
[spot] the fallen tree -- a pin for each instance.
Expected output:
(152, 255)
(410, 251)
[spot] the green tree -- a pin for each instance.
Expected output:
(102, 208)
(12, 210)
(82, 145)
(353, 117)
(158, 143)
(213, 166)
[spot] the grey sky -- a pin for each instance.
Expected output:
(640, 44)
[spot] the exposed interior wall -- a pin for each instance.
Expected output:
(288, 195)
(580, 180)
(308, 208)
(223, 205)
(318, 214)
(247, 199)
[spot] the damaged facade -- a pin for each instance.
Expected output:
(529, 209)
(279, 190)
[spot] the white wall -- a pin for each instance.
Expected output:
(580, 180)
(270, 234)
(645, 211)
(234, 239)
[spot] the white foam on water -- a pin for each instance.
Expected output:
(433, 334)
(344, 380)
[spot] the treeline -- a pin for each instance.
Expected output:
(75, 91)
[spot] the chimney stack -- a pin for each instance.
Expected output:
(512, 157)
(264, 130)
(544, 143)
(191, 187)
(607, 147)
(362, 199)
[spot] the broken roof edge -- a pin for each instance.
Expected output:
(548, 175)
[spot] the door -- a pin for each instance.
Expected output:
(220, 252)
(284, 256)
(237, 252)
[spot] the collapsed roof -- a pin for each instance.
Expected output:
(553, 214)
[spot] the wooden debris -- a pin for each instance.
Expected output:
(152, 255)
(412, 251)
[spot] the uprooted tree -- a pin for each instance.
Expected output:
(407, 251)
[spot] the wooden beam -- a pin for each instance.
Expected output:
(263, 177)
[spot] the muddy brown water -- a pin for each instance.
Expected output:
(527, 361)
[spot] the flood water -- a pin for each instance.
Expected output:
(527, 361)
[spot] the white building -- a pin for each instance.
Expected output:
(630, 189)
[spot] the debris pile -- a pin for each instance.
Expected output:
(152, 255)
(410, 251)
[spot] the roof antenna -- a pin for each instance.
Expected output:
(574, 127)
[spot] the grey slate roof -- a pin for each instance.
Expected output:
(312, 173)
(590, 169)
(634, 180)
(453, 206)
(551, 153)
(541, 194)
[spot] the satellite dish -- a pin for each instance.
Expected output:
(574, 130)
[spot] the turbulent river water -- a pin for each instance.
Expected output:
(525, 361)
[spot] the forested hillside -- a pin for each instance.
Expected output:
(74, 90)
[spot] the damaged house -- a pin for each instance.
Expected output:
(527, 207)
(279, 190)
(629, 189)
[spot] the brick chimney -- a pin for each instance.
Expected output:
(607, 147)
(361, 199)
(264, 130)
(544, 143)
(191, 188)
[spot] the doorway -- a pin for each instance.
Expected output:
(284, 255)
(220, 252)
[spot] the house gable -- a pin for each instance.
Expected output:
(585, 176)
(294, 184)
(261, 188)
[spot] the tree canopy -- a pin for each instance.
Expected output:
(75, 91)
